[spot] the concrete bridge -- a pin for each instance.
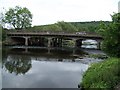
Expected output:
(52, 39)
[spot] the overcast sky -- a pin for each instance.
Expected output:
(51, 11)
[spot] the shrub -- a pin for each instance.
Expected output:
(111, 35)
(105, 74)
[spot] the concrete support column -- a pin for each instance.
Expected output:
(74, 46)
(55, 42)
(75, 43)
(59, 42)
(49, 44)
(26, 41)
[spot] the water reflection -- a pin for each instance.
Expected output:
(41, 70)
(17, 64)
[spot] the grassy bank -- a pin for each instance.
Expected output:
(105, 75)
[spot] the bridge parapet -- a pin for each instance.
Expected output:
(23, 32)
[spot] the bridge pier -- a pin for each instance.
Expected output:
(26, 40)
(74, 46)
(59, 42)
(49, 44)
(54, 42)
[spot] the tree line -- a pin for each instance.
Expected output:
(92, 26)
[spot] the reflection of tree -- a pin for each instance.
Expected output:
(17, 64)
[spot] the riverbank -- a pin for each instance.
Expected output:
(105, 74)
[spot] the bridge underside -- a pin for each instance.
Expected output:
(47, 39)
(43, 41)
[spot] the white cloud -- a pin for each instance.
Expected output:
(51, 11)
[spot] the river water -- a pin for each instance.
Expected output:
(38, 68)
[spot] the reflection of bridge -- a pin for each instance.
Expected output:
(51, 39)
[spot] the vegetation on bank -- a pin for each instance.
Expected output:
(105, 75)
(111, 35)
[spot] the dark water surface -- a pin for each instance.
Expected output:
(37, 68)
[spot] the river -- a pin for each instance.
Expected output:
(36, 68)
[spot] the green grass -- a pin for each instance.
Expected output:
(102, 75)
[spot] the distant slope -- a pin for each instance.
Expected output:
(92, 26)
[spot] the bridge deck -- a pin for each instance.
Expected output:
(51, 34)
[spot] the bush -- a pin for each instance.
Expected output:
(111, 35)
(105, 74)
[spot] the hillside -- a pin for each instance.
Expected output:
(92, 26)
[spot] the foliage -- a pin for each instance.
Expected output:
(61, 26)
(67, 27)
(18, 17)
(101, 28)
(105, 74)
(111, 35)
(57, 27)
(0, 33)
(4, 35)
(1, 18)
(92, 26)
(53, 27)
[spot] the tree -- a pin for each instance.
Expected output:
(111, 35)
(18, 17)
(67, 27)
(52, 27)
(0, 33)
